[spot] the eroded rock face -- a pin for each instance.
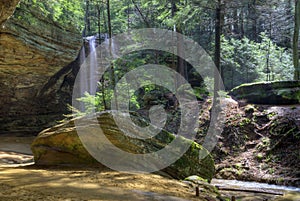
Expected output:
(35, 54)
(7, 8)
(60, 145)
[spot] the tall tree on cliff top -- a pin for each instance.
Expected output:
(296, 41)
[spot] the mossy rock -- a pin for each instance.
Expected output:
(61, 145)
(271, 93)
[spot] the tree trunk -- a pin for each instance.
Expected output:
(242, 23)
(128, 15)
(113, 75)
(108, 19)
(269, 72)
(173, 8)
(141, 13)
(296, 41)
(180, 61)
(104, 22)
(235, 21)
(218, 32)
(87, 28)
(181, 65)
(99, 21)
(253, 17)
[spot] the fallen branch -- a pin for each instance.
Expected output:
(272, 192)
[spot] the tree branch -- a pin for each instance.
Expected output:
(140, 12)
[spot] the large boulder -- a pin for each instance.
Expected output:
(35, 53)
(60, 145)
(271, 93)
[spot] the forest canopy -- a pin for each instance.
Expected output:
(257, 41)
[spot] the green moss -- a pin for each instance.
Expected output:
(195, 179)
(63, 140)
(266, 141)
(204, 169)
(259, 157)
(244, 122)
(293, 107)
(287, 92)
(272, 114)
(271, 170)
(238, 165)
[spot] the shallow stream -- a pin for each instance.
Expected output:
(253, 185)
(254, 191)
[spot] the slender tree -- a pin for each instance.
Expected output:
(218, 32)
(146, 21)
(108, 18)
(181, 65)
(99, 20)
(87, 28)
(296, 41)
(253, 18)
(113, 75)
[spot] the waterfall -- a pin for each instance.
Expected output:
(88, 69)
(92, 84)
(87, 75)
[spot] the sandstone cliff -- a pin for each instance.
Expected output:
(35, 53)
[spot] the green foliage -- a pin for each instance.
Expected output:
(91, 103)
(148, 95)
(246, 61)
(259, 157)
(243, 60)
(244, 122)
(64, 12)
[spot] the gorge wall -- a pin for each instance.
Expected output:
(36, 58)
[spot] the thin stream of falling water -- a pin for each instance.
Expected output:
(88, 82)
(92, 83)
(88, 75)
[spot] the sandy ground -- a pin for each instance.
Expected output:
(58, 184)
(21, 180)
(15, 151)
(16, 144)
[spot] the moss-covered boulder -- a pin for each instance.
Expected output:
(61, 145)
(279, 93)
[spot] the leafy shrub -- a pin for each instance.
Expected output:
(246, 61)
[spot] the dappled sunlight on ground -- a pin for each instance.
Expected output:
(93, 184)
(84, 183)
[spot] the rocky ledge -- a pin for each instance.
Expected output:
(272, 93)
